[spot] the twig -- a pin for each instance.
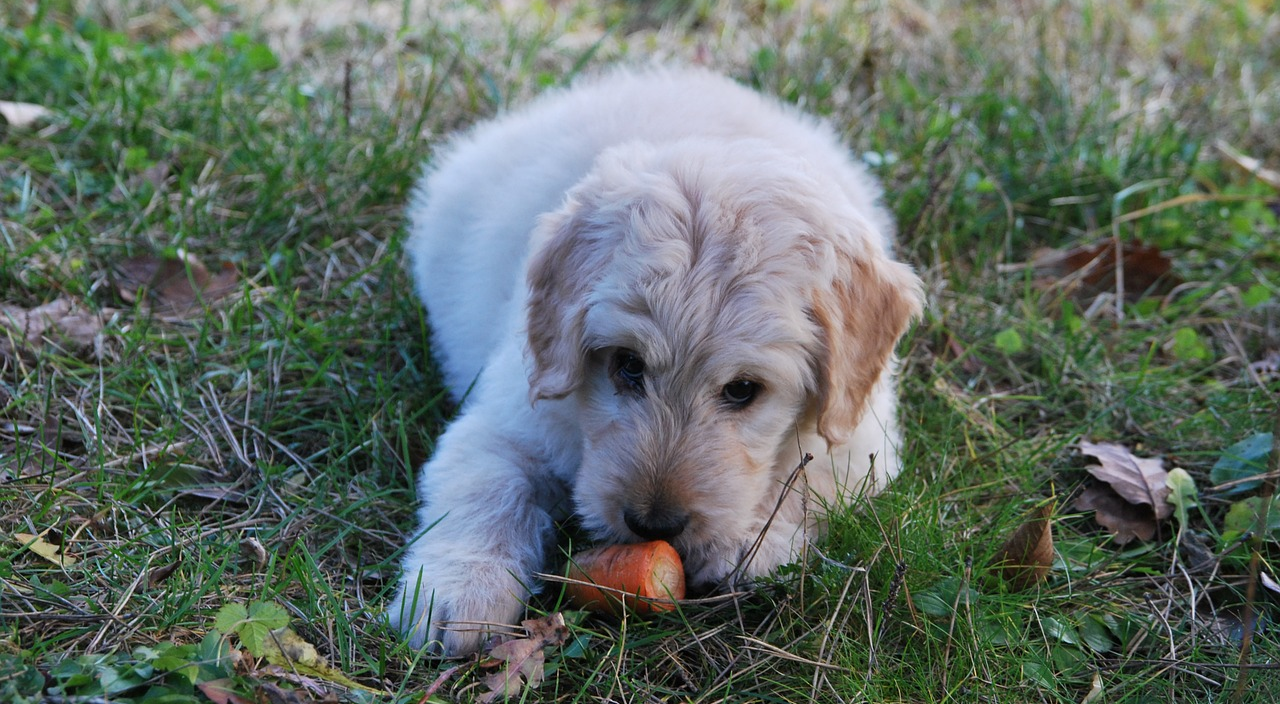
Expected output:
(439, 682)
(750, 554)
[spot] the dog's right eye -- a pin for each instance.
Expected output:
(628, 368)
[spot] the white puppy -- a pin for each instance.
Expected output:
(654, 292)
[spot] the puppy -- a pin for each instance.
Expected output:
(653, 293)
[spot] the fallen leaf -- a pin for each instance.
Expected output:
(43, 548)
(1124, 520)
(1096, 690)
(59, 320)
(219, 691)
(173, 285)
(286, 649)
(1025, 558)
(1269, 583)
(271, 693)
(22, 114)
(1091, 270)
(522, 660)
(1250, 165)
(158, 575)
(1139, 480)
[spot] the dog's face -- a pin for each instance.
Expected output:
(704, 307)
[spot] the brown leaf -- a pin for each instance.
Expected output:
(522, 659)
(270, 693)
(160, 574)
(1124, 520)
(1025, 558)
(1139, 480)
(174, 285)
(1092, 270)
(22, 114)
(219, 692)
(59, 320)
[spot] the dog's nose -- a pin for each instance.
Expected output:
(656, 524)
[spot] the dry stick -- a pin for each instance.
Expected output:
(439, 682)
(750, 554)
(826, 634)
(1255, 561)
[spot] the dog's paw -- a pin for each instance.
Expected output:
(455, 609)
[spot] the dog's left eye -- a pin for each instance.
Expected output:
(740, 392)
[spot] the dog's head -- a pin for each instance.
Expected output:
(704, 302)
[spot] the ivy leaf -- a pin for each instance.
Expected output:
(1244, 459)
(941, 598)
(1243, 518)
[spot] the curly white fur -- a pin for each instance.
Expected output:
(669, 221)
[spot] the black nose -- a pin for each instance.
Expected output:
(656, 524)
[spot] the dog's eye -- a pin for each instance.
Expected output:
(629, 369)
(740, 392)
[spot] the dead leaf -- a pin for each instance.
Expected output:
(522, 659)
(1091, 270)
(1025, 558)
(251, 548)
(219, 692)
(59, 320)
(270, 693)
(22, 114)
(43, 548)
(158, 575)
(1124, 520)
(1269, 583)
(1250, 165)
(174, 285)
(289, 651)
(1139, 480)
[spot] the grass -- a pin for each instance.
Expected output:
(260, 449)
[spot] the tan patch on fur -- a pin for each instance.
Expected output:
(862, 318)
(557, 286)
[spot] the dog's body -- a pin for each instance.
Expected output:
(656, 291)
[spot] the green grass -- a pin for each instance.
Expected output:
(262, 449)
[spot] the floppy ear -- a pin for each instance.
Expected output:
(862, 316)
(560, 275)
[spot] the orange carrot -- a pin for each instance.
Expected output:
(646, 577)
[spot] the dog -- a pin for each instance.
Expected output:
(652, 292)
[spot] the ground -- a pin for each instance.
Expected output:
(215, 389)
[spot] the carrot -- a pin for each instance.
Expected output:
(646, 577)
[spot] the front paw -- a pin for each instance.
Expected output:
(453, 609)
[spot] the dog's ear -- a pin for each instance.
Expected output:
(862, 315)
(569, 257)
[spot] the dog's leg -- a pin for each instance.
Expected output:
(484, 527)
